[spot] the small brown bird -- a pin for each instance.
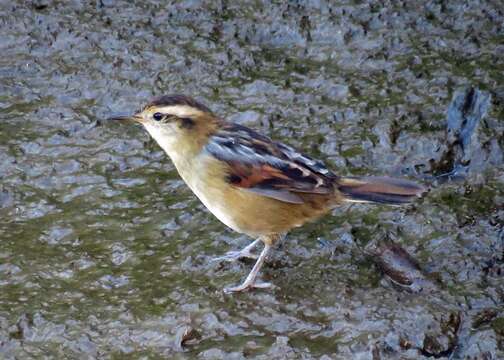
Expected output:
(251, 183)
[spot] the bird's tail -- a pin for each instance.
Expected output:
(383, 190)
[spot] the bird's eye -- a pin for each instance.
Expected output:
(157, 116)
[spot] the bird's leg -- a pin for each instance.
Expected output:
(250, 281)
(243, 253)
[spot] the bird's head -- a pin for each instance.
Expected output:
(177, 122)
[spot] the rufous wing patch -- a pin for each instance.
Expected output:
(271, 169)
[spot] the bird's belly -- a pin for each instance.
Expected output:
(252, 214)
(211, 190)
(214, 199)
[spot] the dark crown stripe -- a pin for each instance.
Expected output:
(173, 100)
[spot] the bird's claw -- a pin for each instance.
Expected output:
(245, 287)
(235, 255)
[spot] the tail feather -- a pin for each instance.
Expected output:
(382, 190)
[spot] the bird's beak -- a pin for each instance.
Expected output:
(122, 117)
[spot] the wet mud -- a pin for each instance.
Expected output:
(105, 253)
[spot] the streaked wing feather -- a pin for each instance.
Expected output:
(282, 195)
(268, 168)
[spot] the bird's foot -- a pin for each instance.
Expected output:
(236, 255)
(246, 252)
(245, 287)
(250, 282)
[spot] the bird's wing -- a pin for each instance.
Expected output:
(271, 169)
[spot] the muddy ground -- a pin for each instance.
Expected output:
(105, 253)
